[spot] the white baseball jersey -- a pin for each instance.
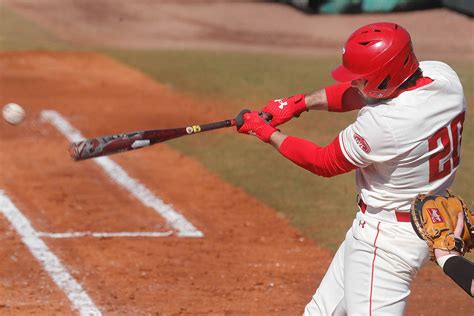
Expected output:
(409, 144)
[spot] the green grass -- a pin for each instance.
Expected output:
(236, 78)
(321, 208)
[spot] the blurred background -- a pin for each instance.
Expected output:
(374, 6)
(237, 54)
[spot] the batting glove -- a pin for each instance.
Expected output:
(285, 109)
(252, 123)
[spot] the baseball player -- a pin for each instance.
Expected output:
(406, 139)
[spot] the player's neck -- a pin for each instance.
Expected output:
(414, 82)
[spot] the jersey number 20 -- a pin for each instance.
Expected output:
(442, 162)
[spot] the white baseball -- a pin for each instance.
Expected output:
(13, 113)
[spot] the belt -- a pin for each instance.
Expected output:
(401, 216)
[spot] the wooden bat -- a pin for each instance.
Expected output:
(112, 144)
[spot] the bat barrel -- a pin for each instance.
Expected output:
(74, 151)
(84, 150)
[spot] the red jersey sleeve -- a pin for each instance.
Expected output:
(342, 97)
(325, 161)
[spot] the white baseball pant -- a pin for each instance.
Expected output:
(372, 270)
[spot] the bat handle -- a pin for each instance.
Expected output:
(239, 119)
(266, 116)
(216, 125)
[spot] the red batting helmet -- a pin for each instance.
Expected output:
(380, 53)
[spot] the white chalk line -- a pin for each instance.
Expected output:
(176, 220)
(73, 290)
(103, 235)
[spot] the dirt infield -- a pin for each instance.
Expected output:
(250, 261)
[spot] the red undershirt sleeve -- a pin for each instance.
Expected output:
(325, 161)
(342, 97)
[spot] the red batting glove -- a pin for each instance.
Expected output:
(250, 122)
(285, 109)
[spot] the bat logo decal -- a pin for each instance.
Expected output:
(193, 129)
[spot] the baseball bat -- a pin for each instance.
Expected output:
(112, 144)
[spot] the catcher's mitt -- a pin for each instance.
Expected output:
(434, 219)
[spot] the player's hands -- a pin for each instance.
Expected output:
(285, 109)
(457, 233)
(251, 122)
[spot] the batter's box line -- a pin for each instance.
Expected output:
(74, 291)
(176, 220)
(103, 235)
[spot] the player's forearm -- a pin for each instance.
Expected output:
(461, 271)
(335, 98)
(317, 100)
(325, 161)
(277, 139)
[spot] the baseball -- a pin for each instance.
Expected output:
(13, 113)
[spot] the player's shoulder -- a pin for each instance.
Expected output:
(375, 118)
(435, 64)
(438, 70)
(406, 107)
